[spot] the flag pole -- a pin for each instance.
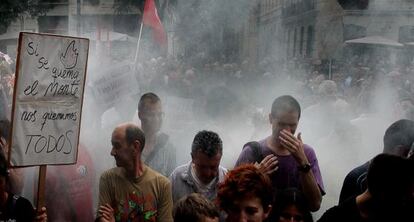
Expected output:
(139, 39)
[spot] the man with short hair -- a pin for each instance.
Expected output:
(296, 162)
(132, 191)
(158, 152)
(388, 197)
(398, 140)
(204, 172)
(195, 207)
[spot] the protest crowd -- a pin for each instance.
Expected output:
(351, 155)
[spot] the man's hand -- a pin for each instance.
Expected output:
(268, 165)
(41, 215)
(106, 213)
(294, 146)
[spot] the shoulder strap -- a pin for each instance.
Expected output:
(161, 141)
(257, 153)
(13, 204)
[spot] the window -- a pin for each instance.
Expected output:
(302, 30)
(354, 31)
(406, 34)
(294, 42)
(309, 41)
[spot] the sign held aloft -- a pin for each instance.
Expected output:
(48, 96)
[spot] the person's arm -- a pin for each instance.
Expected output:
(348, 188)
(106, 213)
(165, 202)
(311, 190)
(104, 208)
(310, 187)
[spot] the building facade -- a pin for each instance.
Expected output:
(316, 30)
(97, 20)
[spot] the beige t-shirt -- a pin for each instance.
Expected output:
(147, 198)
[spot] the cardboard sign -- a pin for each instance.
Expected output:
(117, 82)
(48, 95)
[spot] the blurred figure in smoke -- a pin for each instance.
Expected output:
(296, 162)
(196, 208)
(225, 114)
(388, 196)
(158, 152)
(259, 124)
(203, 173)
(16, 175)
(123, 111)
(405, 107)
(69, 195)
(324, 113)
(132, 191)
(398, 140)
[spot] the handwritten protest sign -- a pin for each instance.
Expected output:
(115, 83)
(50, 77)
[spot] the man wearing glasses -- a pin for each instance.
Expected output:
(158, 152)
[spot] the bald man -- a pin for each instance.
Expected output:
(132, 191)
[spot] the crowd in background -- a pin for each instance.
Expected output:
(341, 100)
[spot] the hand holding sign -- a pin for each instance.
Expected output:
(48, 98)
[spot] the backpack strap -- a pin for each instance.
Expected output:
(257, 152)
(161, 142)
(13, 204)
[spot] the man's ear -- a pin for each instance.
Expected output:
(137, 146)
(139, 115)
(270, 118)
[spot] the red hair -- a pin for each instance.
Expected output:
(245, 181)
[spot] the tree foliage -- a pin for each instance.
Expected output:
(10, 10)
(128, 5)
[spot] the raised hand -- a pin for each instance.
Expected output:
(268, 165)
(294, 145)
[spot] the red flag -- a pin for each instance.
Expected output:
(150, 18)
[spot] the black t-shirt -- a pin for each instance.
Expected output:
(17, 209)
(344, 212)
(355, 182)
(348, 211)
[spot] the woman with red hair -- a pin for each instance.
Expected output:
(246, 194)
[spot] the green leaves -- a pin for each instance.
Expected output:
(10, 10)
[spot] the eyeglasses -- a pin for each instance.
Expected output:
(289, 217)
(151, 115)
